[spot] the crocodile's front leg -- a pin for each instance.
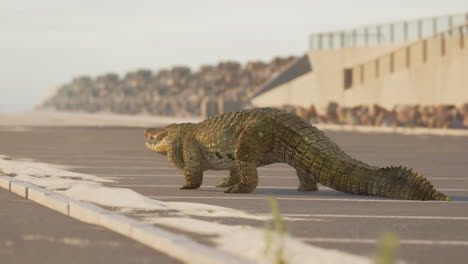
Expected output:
(306, 183)
(193, 166)
(233, 178)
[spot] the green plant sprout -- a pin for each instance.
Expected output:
(387, 247)
(276, 234)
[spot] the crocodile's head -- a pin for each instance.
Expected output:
(161, 140)
(157, 140)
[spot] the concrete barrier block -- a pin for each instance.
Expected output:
(5, 182)
(36, 191)
(49, 199)
(20, 188)
(118, 223)
(151, 237)
(180, 246)
(86, 212)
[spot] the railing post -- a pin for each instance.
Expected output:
(342, 39)
(450, 23)
(462, 38)
(354, 38)
(392, 33)
(434, 26)
(320, 38)
(420, 29)
(379, 32)
(405, 30)
(330, 40)
(366, 36)
(311, 42)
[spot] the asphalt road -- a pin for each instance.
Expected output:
(31, 233)
(430, 232)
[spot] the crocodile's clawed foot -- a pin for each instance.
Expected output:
(226, 182)
(240, 188)
(187, 187)
(312, 188)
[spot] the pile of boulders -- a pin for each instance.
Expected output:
(174, 92)
(440, 116)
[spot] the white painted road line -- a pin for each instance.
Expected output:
(134, 176)
(453, 179)
(261, 176)
(374, 241)
(122, 167)
(415, 217)
(259, 187)
(60, 155)
(116, 162)
(385, 200)
(165, 168)
(206, 186)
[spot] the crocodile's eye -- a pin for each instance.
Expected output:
(152, 133)
(161, 134)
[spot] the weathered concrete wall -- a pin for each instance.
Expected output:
(301, 91)
(325, 83)
(435, 79)
(417, 74)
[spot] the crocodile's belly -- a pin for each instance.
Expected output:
(219, 161)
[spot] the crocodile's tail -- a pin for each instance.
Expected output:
(393, 182)
(337, 170)
(306, 148)
(403, 183)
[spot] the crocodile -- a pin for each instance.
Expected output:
(242, 141)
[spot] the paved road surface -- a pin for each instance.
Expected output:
(430, 232)
(31, 233)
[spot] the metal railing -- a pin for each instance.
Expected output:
(418, 52)
(399, 32)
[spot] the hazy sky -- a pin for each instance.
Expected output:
(45, 43)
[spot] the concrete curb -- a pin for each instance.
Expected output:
(177, 246)
(394, 130)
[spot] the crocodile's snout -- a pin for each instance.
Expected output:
(155, 140)
(153, 136)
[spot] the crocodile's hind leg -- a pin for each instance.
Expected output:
(248, 178)
(306, 182)
(233, 178)
(193, 168)
(251, 145)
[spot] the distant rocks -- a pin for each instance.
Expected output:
(228, 86)
(441, 116)
(172, 92)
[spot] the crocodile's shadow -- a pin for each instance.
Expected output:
(317, 194)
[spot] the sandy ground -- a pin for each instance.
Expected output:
(20, 120)
(47, 119)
